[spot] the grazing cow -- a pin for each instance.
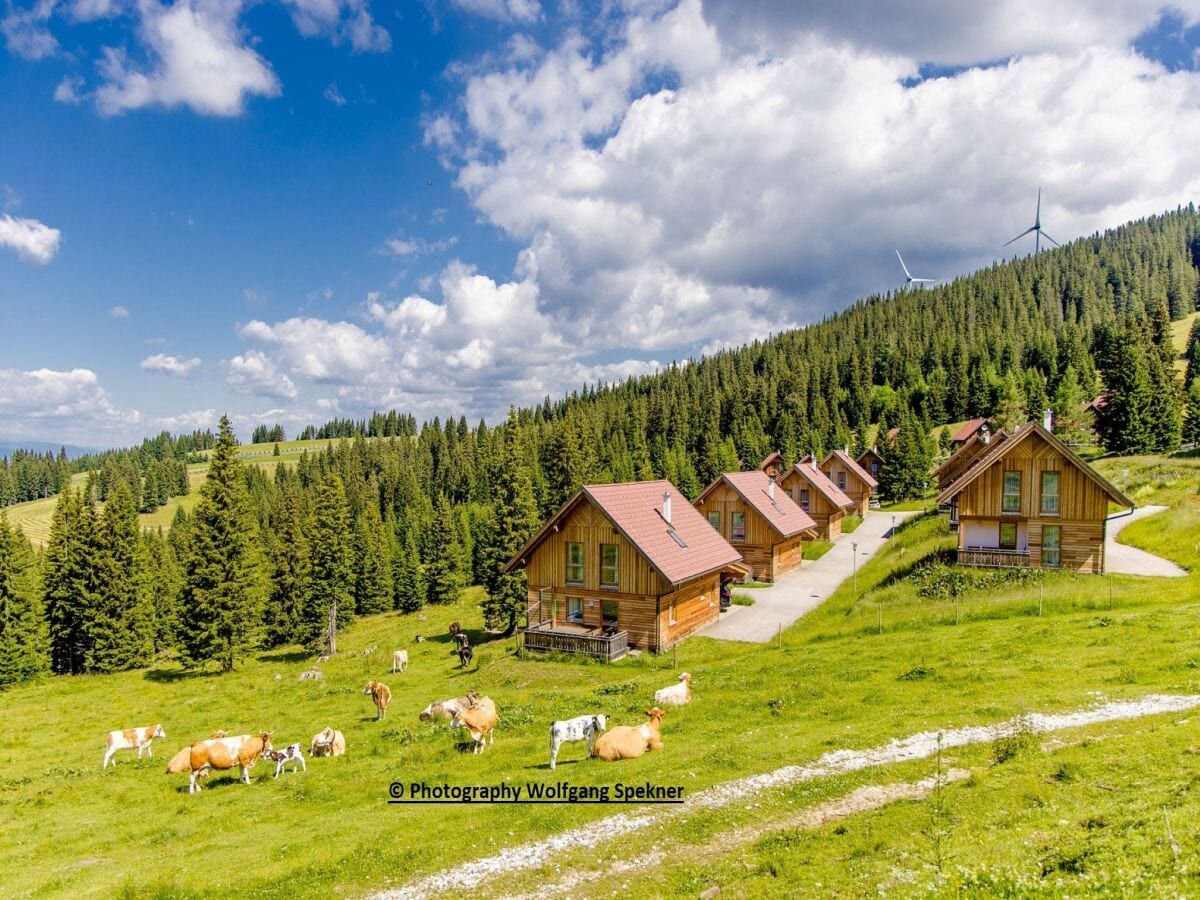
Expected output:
(132, 739)
(181, 762)
(455, 628)
(225, 753)
(381, 694)
(329, 742)
(631, 741)
(312, 675)
(465, 655)
(570, 731)
(370, 650)
(289, 754)
(462, 639)
(419, 639)
(677, 694)
(480, 720)
(399, 661)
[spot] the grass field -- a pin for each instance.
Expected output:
(835, 680)
(1181, 330)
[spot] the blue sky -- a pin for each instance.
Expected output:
(296, 211)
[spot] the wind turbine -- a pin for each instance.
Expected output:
(908, 279)
(1036, 228)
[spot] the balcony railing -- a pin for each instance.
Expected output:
(567, 639)
(993, 558)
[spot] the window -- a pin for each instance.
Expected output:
(1050, 493)
(1012, 493)
(841, 480)
(670, 612)
(1008, 535)
(610, 571)
(1051, 539)
(738, 528)
(714, 519)
(575, 609)
(574, 563)
(804, 499)
(609, 610)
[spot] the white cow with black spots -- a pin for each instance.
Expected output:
(571, 731)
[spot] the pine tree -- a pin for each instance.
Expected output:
(1191, 424)
(71, 582)
(330, 597)
(1121, 419)
(1192, 353)
(1067, 407)
(24, 644)
(904, 473)
(291, 572)
(222, 578)
(516, 521)
(1012, 411)
(166, 582)
(373, 556)
(443, 578)
(122, 622)
(407, 581)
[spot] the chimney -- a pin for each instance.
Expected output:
(771, 488)
(666, 510)
(1048, 419)
(985, 433)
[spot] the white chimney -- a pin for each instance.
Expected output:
(985, 433)
(666, 512)
(771, 488)
(1048, 419)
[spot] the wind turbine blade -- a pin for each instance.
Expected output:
(903, 266)
(1050, 239)
(1038, 218)
(926, 280)
(1021, 235)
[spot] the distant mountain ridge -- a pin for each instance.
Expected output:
(8, 446)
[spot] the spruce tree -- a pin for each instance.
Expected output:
(373, 556)
(166, 582)
(1067, 407)
(330, 597)
(70, 589)
(222, 578)
(1122, 418)
(1191, 424)
(443, 578)
(291, 572)
(408, 583)
(24, 644)
(122, 622)
(1012, 410)
(516, 521)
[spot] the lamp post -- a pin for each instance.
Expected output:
(854, 547)
(892, 534)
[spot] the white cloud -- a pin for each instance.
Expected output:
(333, 95)
(69, 91)
(255, 373)
(170, 365)
(33, 241)
(417, 246)
(340, 20)
(197, 420)
(119, 312)
(26, 33)
(502, 10)
(201, 60)
(331, 352)
(69, 404)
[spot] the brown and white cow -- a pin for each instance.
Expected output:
(329, 742)
(480, 720)
(225, 753)
(631, 741)
(132, 739)
(399, 661)
(381, 694)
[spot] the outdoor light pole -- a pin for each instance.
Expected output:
(892, 535)
(854, 547)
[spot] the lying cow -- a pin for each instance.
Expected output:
(329, 742)
(677, 694)
(571, 731)
(132, 739)
(631, 741)
(399, 661)
(444, 709)
(480, 721)
(225, 753)
(289, 754)
(381, 694)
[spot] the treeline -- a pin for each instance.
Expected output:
(32, 476)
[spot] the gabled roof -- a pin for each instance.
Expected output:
(774, 458)
(970, 448)
(781, 512)
(968, 429)
(849, 462)
(997, 448)
(635, 510)
(807, 469)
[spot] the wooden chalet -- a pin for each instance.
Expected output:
(961, 459)
(969, 429)
(1025, 499)
(759, 520)
(850, 478)
(814, 493)
(871, 462)
(623, 566)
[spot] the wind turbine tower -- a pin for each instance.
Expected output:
(908, 279)
(1036, 228)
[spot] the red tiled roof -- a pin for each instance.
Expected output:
(807, 468)
(849, 462)
(773, 457)
(781, 512)
(967, 430)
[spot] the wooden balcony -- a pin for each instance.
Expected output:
(576, 639)
(993, 559)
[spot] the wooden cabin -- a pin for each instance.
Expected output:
(851, 479)
(967, 430)
(623, 566)
(814, 493)
(1027, 500)
(871, 462)
(961, 459)
(759, 520)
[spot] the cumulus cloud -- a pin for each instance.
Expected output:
(26, 31)
(119, 312)
(255, 373)
(333, 95)
(197, 420)
(524, 11)
(417, 246)
(170, 365)
(70, 403)
(34, 242)
(340, 20)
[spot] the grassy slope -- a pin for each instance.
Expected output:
(1181, 329)
(834, 675)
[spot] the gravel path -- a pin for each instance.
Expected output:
(469, 875)
(1130, 560)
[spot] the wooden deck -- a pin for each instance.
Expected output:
(573, 639)
(993, 559)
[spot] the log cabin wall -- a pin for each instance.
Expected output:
(697, 603)
(827, 516)
(757, 547)
(787, 555)
(856, 489)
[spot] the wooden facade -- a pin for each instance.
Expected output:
(844, 473)
(871, 462)
(1030, 501)
(767, 552)
(826, 513)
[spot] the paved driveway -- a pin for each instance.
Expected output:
(1130, 560)
(806, 588)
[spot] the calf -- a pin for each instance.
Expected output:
(480, 720)
(631, 741)
(465, 655)
(225, 753)
(289, 754)
(132, 739)
(399, 661)
(381, 694)
(571, 731)
(677, 694)
(329, 742)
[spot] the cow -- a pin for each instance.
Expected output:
(370, 650)
(480, 720)
(311, 675)
(677, 694)
(631, 741)
(131, 739)
(399, 661)
(455, 628)
(381, 694)
(446, 709)
(465, 655)
(329, 742)
(570, 731)
(289, 754)
(225, 753)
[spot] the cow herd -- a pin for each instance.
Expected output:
(475, 714)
